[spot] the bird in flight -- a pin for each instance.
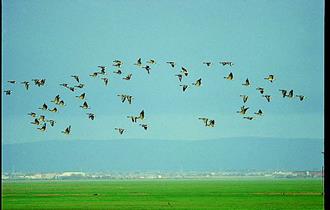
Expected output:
(56, 99)
(179, 76)
(184, 71)
(145, 126)
(259, 112)
(26, 84)
(7, 92)
(147, 68)
(106, 80)
(123, 97)
(51, 122)
(270, 78)
(91, 116)
(205, 120)
(141, 116)
(171, 63)
(43, 107)
(64, 84)
(283, 92)
(230, 76)
(151, 61)
(243, 110)
(290, 95)
(43, 128)
(85, 105)
(67, 130)
(94, 74)
(138, 62)
(301, 97)
(128, 77)
(53, 110)
(32, 114)
(80, 85)
(184, 87)
(133, 118)
(102, 70)
(261, 90)
(35, 122)
(117, 63)
(61, 103)
(120, 130)
(211, 123)
(129, 99)
(82, 96)
(198, 82)
(118, 71)
(268, 97)
(76, 77)
(249, 118)
(207, 63)
(42, 118)
(11, 81)
(247, 82)
(245, 98)
(226, 63)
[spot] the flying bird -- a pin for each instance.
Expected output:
(61, 103)
(56, 99)
(226, 63)
(121, 130)
(205, 120)
(245, 98)
(43, 107)
(141, 116)
(53, 110)
(211, 123)
(301, 97)
(117, 72)
(129, 98)
(85, 105)
(94, 74)
(133, 118)
(80, 85)
(128, 77)
(8, 92)
(11, 81)
(249, 118)
(230, 76)
(184, 71)
(270, 78)
(145, 126)
(117, 63)
(290, 95)
(43, 128)
(42, 118)
(76, 77)
(283, 92)
(138, 62)
(151, 61)
(259, 112)
(51, 122)
(268, 97)
(261, 90)
(207, 63)
(35, 122)
(123, 97)
(103, 68)
(247, 82)
(82, 96)
(179, 76)
(184, 87)
(171, 63)
(64, 84)
(26, 84)
(243, 110)
(106, 80)
(67, 130)
(91, 116)
(32, 114)
(147, 68)
(198, 82)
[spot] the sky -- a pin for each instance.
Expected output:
(56, 39)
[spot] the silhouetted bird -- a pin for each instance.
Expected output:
(128, 77)
(106, 80)
(145, 126)
(198, 82)
(76, 77)
(245, 98)
(261, 90)
(138, 62)
(247, 83)
(11, 81)
(35, 122)
(141, 116)
(259, 112)
(207, 63)
(226, 63)
(43, 107)
(151, 61)
(179, 76)
(26, 84)
(32, 114)
(53, 110)
(82, 96)
(230, 76)
(121, 130)
(184, 87)
(91, 116)
(171, 63)
(243, 110)
(80, 85)
(43, 128)
(290, 95)
(118, 72)
(205, 120)
(270, 78)
(268, 97)
(301, 97)
(283, 92)
(51, 122)
(103, 68)
(85, 105)
(56, 99)
(147, 68)
(133, 118)
(94, 74)
(184, 71)
(67, 130)
(42, 118)
(249, 118)
(8, 92)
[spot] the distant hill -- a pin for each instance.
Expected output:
(164, 155)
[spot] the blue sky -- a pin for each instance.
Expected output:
(55, 39)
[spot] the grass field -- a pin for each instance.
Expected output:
(164, 194)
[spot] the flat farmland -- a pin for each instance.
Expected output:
(164, 194)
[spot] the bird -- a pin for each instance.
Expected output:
(243, 110)
(43, 107)
(117, 72)
(270, 78)
(121, 130)
(82, 96)
(283, 92)
(145, 126)
(94, 74)
(249, 118)
(247, 82)
(106, 80)
(123, 97)
(80, 85)
(261, 90)
(226, 63)
(184, 71)
(32, 114)
(117, 63)
(51, 122)
(205, 120)
(56, 99)
(198, 82)
(230, 76)
(301, 97)
(76, 77)
(268, 97)
(141, 116)
(26, 84)
(259, 112)
(42, 118)
(61, 103)
(151, 61)
(53, 110)
(179, 76)
(35, 122)
(184, 87)
(138, 62)
(7, 92)
(147, 68)
(43, 128)
(85, 105)
(67, 130)
(71, 88)
(103, 68)
(91, 116)
(211, 123)
(11, 81)
(129, 99)
(64, 84)
(207, 63)
(171, 63)
(128, 77)
(245, 98)
(290, 95)
(133, 118)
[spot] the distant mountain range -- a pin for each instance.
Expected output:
(164, 155)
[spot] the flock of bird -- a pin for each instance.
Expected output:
(103, 73)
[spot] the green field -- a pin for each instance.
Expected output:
(164, 194)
